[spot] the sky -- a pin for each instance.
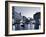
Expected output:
(27, 11)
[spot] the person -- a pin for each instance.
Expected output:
(36, 18)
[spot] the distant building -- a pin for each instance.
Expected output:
(17, 17)
(37, 18)
(32, 23)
